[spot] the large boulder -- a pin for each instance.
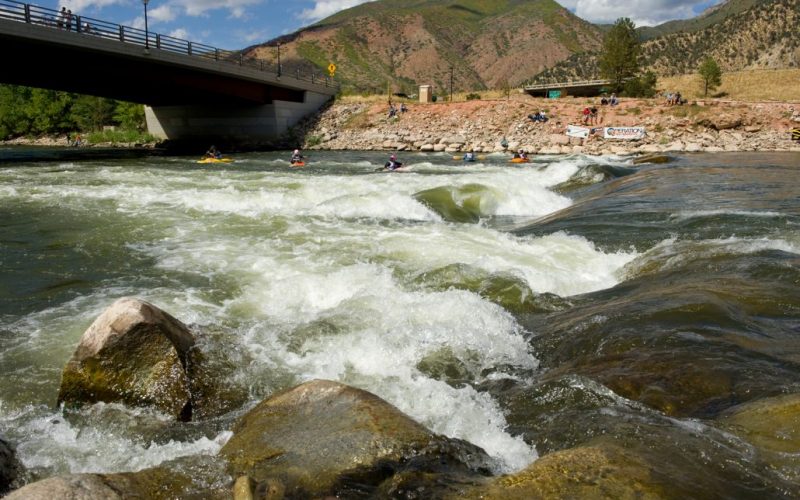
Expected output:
(721, 121)
(315, 439)
(772, 425)
(134, 353)
(598, 471)
(9, 467)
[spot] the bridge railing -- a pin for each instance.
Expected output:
(544, 86)
(85, 26)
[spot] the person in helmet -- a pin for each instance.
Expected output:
(296, 157)
(521, 155)
(392, 164)
(214, 153)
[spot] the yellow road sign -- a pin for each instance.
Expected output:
(331, 68)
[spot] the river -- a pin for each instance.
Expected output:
(524, 308)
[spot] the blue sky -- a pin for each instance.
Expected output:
(234, 24)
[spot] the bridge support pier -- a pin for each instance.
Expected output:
(231, 125)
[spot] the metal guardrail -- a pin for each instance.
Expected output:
(86, 26)
(545, 86)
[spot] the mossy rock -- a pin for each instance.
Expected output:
(773, 426)
(599, 471)
(134, 353)
(320, 437)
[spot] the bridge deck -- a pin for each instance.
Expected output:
(96, 57)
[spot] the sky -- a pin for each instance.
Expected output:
(235, 24)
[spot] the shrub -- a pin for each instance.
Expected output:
(473, 96)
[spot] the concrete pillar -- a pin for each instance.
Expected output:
(249, 125)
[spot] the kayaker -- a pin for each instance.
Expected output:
(470, 156)
(296, 157)
(213, 152)
(392, 164)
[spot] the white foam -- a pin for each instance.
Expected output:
(54, 444)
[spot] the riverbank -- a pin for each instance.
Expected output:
(480, 125)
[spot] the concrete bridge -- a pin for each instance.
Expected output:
(192, 92)
(585, 88)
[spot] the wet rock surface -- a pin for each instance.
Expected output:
(324, 438)
(10, 467)
(133, 353)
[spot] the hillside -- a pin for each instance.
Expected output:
(763, 36)
(403, 43)
(712, 15)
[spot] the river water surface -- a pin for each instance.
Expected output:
(526, 309)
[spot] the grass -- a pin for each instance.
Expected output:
(687, 110)
(119, 136)
(750, 85)
(359, 120)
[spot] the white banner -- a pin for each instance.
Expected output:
(575, 131)
(628, 133)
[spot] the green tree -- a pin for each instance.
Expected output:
(619, 59)
(91, 113)
(48, 111)
(710, 75)
(643, 85)
(130, 116)
(14, 120)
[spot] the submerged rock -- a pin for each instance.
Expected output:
(323, 437)
(134, 353)
(9, 467)
(653, 158)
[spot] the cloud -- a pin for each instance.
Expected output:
(179, 33)
(79, 6)
(641, 12)
(163, 13)
(325, 8)
(252, 37)
(200, 7)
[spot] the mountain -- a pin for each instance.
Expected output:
(714, 14)
(752, 35)
(399, 44)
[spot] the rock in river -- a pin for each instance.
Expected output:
(322, 437)
(133, 353)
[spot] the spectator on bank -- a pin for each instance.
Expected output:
(403, 107)
(586, 115)
(68, 22)
(593, 115)
(604, 101)
(613, 101)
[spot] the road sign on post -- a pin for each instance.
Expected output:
(331, 69)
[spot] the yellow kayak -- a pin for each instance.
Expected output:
(519, 160)
(215, 160)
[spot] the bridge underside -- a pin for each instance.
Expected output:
(189, 98)
(75, 69)
(576, 91)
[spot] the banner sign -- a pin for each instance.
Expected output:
(575, 131)
(628, 133)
